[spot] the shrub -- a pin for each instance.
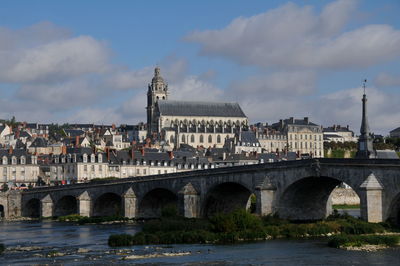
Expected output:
(357, 240)
(169, 211)
(120, 240)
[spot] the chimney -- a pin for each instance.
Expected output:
(113, 126)
(306, 120)
(108, 154)
(291, 119)
(17, 134)
(10, 150)
(77, 140)
(171, 155)
(142, 151)
(64, 149)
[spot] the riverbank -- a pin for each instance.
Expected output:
(241, 226)
(72, 241)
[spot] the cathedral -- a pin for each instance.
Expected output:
(197, 124)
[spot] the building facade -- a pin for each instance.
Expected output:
(205, 124)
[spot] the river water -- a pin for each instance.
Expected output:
(50, 237)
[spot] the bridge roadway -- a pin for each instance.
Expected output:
(296, 190)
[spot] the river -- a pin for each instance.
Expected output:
(50, 237)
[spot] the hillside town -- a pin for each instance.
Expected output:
(178, 136)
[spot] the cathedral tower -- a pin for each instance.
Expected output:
(157, 90)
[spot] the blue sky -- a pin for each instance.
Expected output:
(90, 61)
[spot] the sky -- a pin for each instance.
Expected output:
(90, 61)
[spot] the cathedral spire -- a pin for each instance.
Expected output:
(365, 146)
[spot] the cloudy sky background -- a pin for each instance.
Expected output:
(91, 62)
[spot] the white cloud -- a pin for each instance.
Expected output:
(387, 80)
(294, 36)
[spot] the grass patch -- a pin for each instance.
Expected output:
(241, 225)
(360, 240)
(345, 206)
(2, 248)
(76, 218)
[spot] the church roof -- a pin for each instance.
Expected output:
(186, 108)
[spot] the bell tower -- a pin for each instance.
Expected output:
(157, 90)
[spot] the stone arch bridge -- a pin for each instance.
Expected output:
(296, 190)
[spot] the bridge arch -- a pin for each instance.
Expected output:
(226, 197)
(32, 208)
(155, 200)
(108, 204)
(66, 205)
(394, 211)
(307, 198)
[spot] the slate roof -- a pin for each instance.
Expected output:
(393, 131)
(39, 143)
(185, 108)
(248, 137)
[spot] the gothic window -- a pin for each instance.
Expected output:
(171, 139)
(209, 139)
(218, 139)
(201, 139)
(183, 138)
(192, 139)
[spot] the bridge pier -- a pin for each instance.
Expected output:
(47, 206)
(189, 201)
(84, 204)
(371, 200)
(129, 204)
(265, 194)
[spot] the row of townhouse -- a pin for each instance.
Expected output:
(83, 164)
(18, 168)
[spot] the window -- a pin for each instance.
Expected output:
(171, 139)
(92, 158)
(100, 158)
(144, 171)
(100, 168)
(159, 172)
(85, 168)
(137, 171)
(192, 138)
(4, 159)
(218, 139)
(23, 161)
(85, 158)
(201, 139)
(209, 139)
(14, 160)
(92, 168)
(183, 138)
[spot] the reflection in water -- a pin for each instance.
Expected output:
(68, 239)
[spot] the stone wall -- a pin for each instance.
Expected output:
(347, 196)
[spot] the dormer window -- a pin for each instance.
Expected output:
(14, 160)
(100, 158)
(85, 158)
(92, 158)
(5, 160)
(56, 159)
(63, 159)
(23, 160)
